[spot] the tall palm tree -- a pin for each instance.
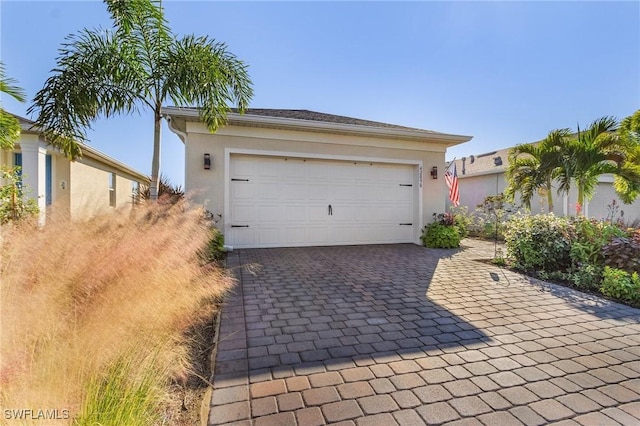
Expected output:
(9, 125)
(137, 64)
(596, 151)
(532, 167)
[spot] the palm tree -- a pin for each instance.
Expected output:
(629, 132)
(138, 64)
(598, 150)
(532, 167)
(9, 125)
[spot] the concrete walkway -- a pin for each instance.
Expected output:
(400, 334)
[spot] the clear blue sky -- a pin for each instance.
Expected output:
(502, 72)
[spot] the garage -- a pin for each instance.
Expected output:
(277, 201)
(286, 178)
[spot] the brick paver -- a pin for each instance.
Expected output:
(400, 334)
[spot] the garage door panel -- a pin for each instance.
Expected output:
(344, 192)
(242, 236)
(343, 234)
(387, 214)
(317, 191)
(365, 173)
(366, 213)
(268, 236)
(405, 195)
(294, 169)
(242, 191)
(268, 214)
(269, 169)
(366, 193)
(294, 192)
(319, 235)
(342, 171)
(404, 233)
(285, 202)
(243, 167)
(295, 235)
(317, 213)
(296, 213)
(267, 191)
(344, 213)
(387, 193)
(318, 171)
(244, 214)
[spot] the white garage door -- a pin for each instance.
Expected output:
(284, 202)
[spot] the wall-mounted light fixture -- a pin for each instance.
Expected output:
(434, 172)
(497, 161)
(207, 161)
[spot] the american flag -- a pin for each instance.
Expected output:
(451, 177)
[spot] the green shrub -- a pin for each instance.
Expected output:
(461, 220)
(621, 285)
(622, 253)
(437, 235)
(590, 236)
(13, 204)
(539, 243)
(215, 247)
(589, 277)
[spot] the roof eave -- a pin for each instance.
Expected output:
(482, 173)
(317, 126)
(92, 153)
(104, 158)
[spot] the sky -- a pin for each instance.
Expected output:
(504, 72)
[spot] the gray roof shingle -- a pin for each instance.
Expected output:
(303, 114)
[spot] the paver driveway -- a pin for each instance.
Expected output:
(399, 334)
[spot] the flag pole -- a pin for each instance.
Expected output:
(449, 166)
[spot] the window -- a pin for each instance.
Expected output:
(112, 189)
(17, 162)
(135, 192)
(48, 177)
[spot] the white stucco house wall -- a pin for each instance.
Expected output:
(93, 184)
(481, 175)
(280, 178)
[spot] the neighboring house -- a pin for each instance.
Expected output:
(90, 185)
(302, 178)
(482, 175)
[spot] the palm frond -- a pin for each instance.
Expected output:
(202, 72)
(9, 130)
(9, 86)
(93, 77)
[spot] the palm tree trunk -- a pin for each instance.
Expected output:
(549, 197)
(580, 197)
(155, 162)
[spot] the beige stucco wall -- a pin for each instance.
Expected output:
(60, 178)
(89, 189)
(207, 186)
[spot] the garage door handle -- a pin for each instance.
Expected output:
(405, 224)
(330, 210)
(239, 226)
